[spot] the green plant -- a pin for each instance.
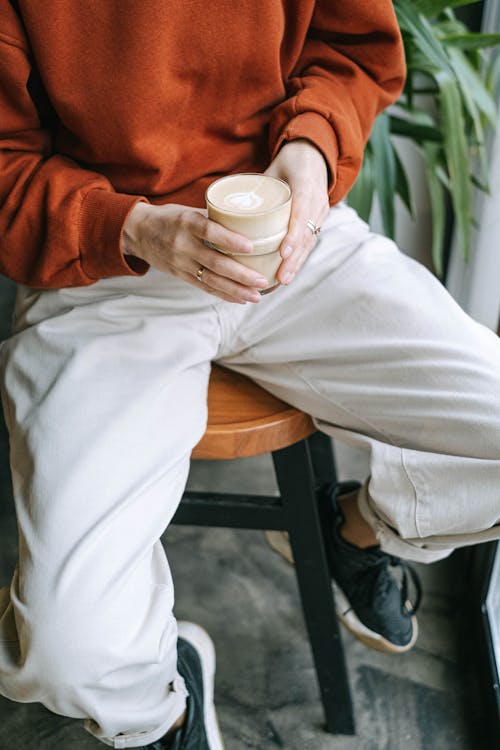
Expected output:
(446, 109)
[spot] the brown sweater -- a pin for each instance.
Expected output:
(103, 103)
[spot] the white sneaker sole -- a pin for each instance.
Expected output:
(204, 646)
(369, 637)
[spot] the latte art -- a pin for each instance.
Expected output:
(247, 201)
(248, 194)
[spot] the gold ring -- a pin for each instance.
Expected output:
(199, 273)
(312, 226)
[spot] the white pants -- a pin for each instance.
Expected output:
(104, 391)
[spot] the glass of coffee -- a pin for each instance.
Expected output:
(258, 207)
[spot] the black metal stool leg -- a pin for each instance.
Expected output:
(295, 480)
(323, 458)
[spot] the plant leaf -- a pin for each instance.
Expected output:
(483, 186)
(472, 85)
(471, 41)
(361, 194)
(415, 130)
(434, 7)
(403, 185)
(492, 77)
(384, 169)
(457, 156)
(422, 32)
(438, 205)
(443, 176)
(475, 98)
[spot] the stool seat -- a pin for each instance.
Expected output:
(245, 420)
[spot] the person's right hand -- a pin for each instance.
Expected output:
(173, 239)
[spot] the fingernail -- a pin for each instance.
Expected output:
(288, 277)
(254, 298)
(261, 281)
(287, 251)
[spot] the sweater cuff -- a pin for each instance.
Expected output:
(313, 127)
(103, 214)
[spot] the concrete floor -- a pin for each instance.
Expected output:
(246, 596)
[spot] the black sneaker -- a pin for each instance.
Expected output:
(196, 663)
(370, 601)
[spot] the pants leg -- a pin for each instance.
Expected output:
(104, 390)
(374, 348)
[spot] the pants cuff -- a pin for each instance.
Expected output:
(389, 539)
(175, 706)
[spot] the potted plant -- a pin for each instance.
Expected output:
(446, 108)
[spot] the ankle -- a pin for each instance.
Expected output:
(172, 732)
(355, 529)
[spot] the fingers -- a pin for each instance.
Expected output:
(220, 274)
(192, 279)
(300, 239)
(302, 165)
(179, 240)
(230, 268)
(224, 274)
(212, 233)
(193, 258)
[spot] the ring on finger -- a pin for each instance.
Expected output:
(312, 227)
(199, 273)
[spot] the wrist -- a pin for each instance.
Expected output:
(130, 241)
(306, 165)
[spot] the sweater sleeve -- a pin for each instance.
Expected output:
(350, 68)
(60, 224)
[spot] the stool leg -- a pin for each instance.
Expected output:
(295, 480)
(323, 458)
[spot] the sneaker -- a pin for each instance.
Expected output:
(196, 664)
(370, 601)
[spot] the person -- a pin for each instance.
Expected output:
(115, 118)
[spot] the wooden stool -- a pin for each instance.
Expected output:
(245, 420)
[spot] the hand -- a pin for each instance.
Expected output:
(303, 167)
(172, 239)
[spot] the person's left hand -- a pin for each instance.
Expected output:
(303, 167)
